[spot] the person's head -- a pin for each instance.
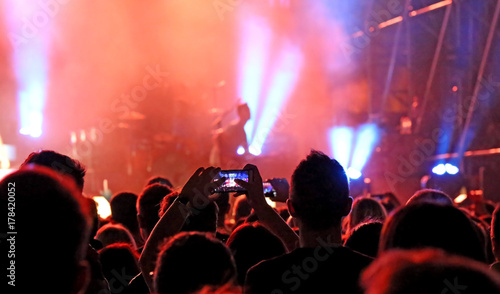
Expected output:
(242, 208)
(243, 112)
(190, 261)
(495, 232)
(319, 195)
(204, 220)
(148, 205)
(60, 163)
(53, 226)
(365, 209)
(160, 180)
(430, 196)
(424, 225)
(251, 243)
(119, 258)
(115, 233)
(166, 202)
(427, 271)
(124, 210)
(365, 238)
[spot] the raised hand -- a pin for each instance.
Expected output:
(200, 185)
(255, 191)
(282, 189)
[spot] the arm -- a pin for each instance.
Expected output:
(195, 194)
(267, 216)
(169, 224)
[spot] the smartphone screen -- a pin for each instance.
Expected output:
(230, 185)
(268, 190)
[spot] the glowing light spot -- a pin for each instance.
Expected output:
(254, 150)
(103, 207)
(460, 198)
(241, 150)
(353, 173)
(439, 169)
(451, 169)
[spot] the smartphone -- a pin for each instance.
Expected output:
(268, 190)
(230, 185)
(379, 197)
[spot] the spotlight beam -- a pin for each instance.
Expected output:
(283, 80)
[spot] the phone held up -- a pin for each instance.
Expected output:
(245, 175)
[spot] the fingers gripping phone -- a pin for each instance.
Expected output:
(230, 185)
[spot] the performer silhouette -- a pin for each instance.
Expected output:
(226, 141)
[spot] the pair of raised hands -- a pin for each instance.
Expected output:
(201, 185)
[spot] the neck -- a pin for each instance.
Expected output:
(312, 238)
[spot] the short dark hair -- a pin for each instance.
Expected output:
(159, 180)
(60, 163)
(365, 238)
(422, 225)
(427, 271)
(148, 204)
(251, 243)
(190, 261)
(319, 191)
(121, 258)
(124, 210)
(54, 224)
(430, 196)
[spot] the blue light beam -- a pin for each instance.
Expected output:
(255, 44)
(366, 138)
(340, 139)
(283, 81)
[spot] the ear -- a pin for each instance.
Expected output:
(82, 278)
(495, 247)
(348, 206)
(291, 209)
(140, 221)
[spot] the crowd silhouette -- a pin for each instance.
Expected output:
(170, 240)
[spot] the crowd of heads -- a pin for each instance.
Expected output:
(428, 245)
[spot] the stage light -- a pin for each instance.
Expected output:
(254, 150)
(241, 150)
(439, 169)
(460, 198)
(103, 207)
(31, 104)
(451, 169)
(353, 173)
(366, 138)
(284, 77)
(29, 61)
(340, 143)
(255, 43)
